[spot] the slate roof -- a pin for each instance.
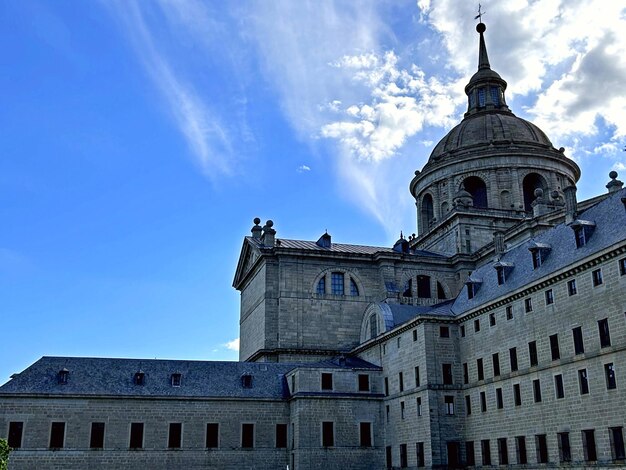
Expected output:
(200, 379)
(609, 216)
(306, 245)
(397, 314)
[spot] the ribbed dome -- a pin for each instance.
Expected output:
(488, 128)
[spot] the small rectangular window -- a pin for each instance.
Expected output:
(596, 277)
(401, 410)
(462, 331)
(486, 451)
(281, 436)
(175, 436)
(176, 380)
(136, 436)
(571, 287)
(609, 373)
(501, 275)
(414, 335)
(520, 450)
(365, 434)
(417, 377)
(579, 347)
(583, 381)
(468, 405)
(558, 386)
(581, 239)
(565, 451)
(247, 435)
(617, 443)
(327, 381)
(465, 373)
(447, 374)
(499, 400)
(495, 359)
(509, 312)
(419, 451)
(476, 325)
(479, 367)
(483, 402)
(513, 359)
(16, 429)
(492, 319)
(470, 455)
(532, 353)
(96, 440)
(398, 341)
(622, 267)
(212, 435)
(418, 401)
(541, 442)
(388, 457)
(444, 332)
(246, 381)
(401, 381)
(603, 330)
(386, 386)
(328, 434)
(537, 390)
(549, 297)
(517, 395)
(554, 347)
(503, 452)
(589, 445)
(364, 383)
(449, 402)
(57, 435)
(528, 305)
(387, 412)
(536, 255)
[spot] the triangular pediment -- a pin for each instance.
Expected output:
(247, 259)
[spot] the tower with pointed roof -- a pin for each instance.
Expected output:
(483, 174)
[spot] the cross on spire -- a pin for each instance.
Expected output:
(479, 17)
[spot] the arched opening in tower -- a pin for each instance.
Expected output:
(478, 189)
(531, 182)
(428, 211)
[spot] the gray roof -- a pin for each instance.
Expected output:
(397, 314)
(200, 379)
(306, 245)
(609, 216)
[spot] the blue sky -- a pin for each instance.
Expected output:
(140, 139)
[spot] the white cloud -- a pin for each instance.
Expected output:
(232, 345)
(303, 168)
(206, 135)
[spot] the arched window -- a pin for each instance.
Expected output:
(321, 286)
(531, 182)
(336, 283)
(373, 326)
(428, 211)
(477, 188)
(354, 289)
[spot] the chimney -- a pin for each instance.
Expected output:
(571, 206)
(256, 230)
(539, 205)
(268, 237)
(614, 185)
(498, 243)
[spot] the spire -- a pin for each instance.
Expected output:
(483, 58)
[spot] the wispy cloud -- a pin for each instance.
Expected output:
(303, 168)
(206, 135)
(232, 345)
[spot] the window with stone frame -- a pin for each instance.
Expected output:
(622, 267)
(247, 435)
(603, 331)
(559, 389)
(549, 297)
(596, 277)
(513, 359)
(212, 435)
(583, 382)
(449, 403)
(590, 452)
(57, 435)
(579, 346)
(616, 435)
(281, 436)
(328, 434)
(365, 434)
(565, 451)
(571, 287)
(336, 283)
(609, 374)
(16, 430)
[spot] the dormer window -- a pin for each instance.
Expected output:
(63, 376)
(472, 287)
(539, 252)
(176, 379)
(246, 381)
(582, 231)
(536, 254)
(502, 271)
(139, 378)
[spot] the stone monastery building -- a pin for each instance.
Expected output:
(496, 336)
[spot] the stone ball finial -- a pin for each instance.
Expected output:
(481, 28)
(538, 192)
(561, 149)
(269, 223)
(257, 221)
(613, 174)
